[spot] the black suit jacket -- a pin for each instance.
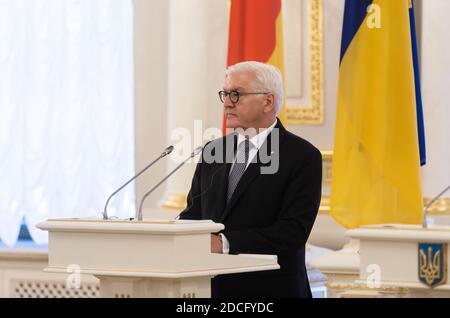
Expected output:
(267, 214)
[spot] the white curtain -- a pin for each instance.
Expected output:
(66, 111)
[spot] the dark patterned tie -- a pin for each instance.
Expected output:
(238, 168)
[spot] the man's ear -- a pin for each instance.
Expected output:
(269, 103)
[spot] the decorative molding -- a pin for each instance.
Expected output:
(324, 205)
(440, 207)
(312, 114)
(327, 158)
(327, 155)
(362, 287)
(175, 202)
(23, 255)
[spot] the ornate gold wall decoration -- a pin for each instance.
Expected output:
(439, 207)
(327, 158)
(327, 155)
(361, 286)
(175, 202)
(313, 113)
(324, 205)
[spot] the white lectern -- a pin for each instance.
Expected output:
(390, 261)
(147, 258)
(407, 257)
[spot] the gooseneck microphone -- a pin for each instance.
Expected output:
(166, 151)
(425, 210)
(192, 155)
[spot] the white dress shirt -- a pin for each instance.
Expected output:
(255, 143)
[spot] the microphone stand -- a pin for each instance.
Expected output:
(167, 151)
(193, 154)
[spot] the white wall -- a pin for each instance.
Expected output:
(151, 58)
(435, 69)
(322, 136)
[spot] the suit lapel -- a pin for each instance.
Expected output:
(220, 190)
(220, 181)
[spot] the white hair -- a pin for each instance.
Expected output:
(268, 79)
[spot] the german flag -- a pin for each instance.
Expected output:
(256, 34)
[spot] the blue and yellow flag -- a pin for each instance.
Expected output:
(379, 139)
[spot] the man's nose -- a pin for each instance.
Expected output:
(227, 103)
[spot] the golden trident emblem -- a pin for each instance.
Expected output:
(432, 269)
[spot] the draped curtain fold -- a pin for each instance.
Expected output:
(66, 111)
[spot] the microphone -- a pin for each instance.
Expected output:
(192, 155)
(166, 151)
(425, 210)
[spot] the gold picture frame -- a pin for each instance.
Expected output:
(312, 114)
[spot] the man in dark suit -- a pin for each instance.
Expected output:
(262, 182)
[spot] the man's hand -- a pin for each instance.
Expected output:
(216, 244)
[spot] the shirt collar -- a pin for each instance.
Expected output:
(258, 139)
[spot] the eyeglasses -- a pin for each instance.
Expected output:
(235, 95)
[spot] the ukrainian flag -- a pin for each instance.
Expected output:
(379, 139)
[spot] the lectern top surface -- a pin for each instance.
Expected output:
(130, 226)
